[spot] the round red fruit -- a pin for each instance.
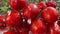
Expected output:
(13, 18)
(17, 4)
(55, 28)
(50, 15)
(31, 11)
(38, 26)
(2, 19)
(42, 5)
(51, 4)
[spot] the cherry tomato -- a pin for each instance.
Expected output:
(17, 4)
(31, 11)
(51, 4)
(2, 19)
(13, 18)
(54, 28)
(38, 26)
(42, 5)
(50, 15)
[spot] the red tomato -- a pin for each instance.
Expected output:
(42, 5)
(13, 18)
(17, 4)
(2, 19)
(31, 11)
(51, 4)
(54, 29)
(38, 26)
(50, 15)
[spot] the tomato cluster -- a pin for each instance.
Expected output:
(25, 18)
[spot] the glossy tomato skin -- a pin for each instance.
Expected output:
(50, 15)
(38, 26)
(31, 11)
(42, 5)
(17, 4)
(54, 29)
(51, 4)
(22, 4)
(10, 32)
(13, 18)
(2, 19)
